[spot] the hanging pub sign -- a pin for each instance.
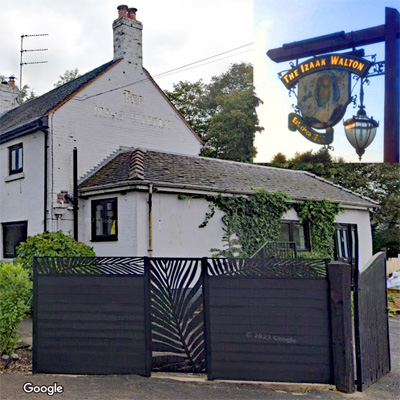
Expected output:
(323, 93)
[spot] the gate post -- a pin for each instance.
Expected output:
(206, 314)
(339, 275)
(147, 311)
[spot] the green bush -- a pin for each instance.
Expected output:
(50, 244)
(15, 295)
(311, 255)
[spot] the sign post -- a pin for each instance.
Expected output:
(388, 33)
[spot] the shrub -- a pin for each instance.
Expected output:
(50, 244)
(15, 291)
(311, 255)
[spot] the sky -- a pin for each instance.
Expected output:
(175, 33)
(277, 22)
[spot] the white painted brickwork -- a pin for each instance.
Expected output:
(8, 97)
(22, 194)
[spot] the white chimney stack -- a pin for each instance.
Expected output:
(9, 94)
(128, 36)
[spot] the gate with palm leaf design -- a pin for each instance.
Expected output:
(177, 314)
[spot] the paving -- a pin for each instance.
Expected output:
(163, 386)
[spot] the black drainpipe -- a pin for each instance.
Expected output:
(43, 126)
(75, 189)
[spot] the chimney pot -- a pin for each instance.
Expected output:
(11, 81)
(132, 13)
(122, 11)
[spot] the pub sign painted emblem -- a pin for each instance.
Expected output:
(323, 93)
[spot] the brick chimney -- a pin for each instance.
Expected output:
(9, 94)
(128, 36)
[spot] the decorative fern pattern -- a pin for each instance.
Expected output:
(89, 265)
(268, 268)
(177, 315)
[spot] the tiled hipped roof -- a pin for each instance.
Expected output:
(42, 105)
(208, 174)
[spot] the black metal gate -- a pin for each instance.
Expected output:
(372, 327)
(177, 317)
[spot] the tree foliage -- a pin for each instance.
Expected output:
(15, 290)
(222, 112)
(67, 76)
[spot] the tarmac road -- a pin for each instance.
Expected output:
(164, 387)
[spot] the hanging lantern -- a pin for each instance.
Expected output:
(360, 130)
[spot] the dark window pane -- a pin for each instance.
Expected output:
(16, 158)
(13, 235)
(104, 219)
(299, 236)
(285, 233)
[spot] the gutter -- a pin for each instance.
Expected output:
(130, 185)
(38, 124)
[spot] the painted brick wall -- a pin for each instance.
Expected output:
(127, 226)
(98, 121)
(22, 198)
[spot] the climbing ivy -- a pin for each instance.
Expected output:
(320, 215)
(248, 221)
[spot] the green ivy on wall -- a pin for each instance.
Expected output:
(250, 221)
(320, 215)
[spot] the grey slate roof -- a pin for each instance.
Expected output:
(208, 174)
(42, 105)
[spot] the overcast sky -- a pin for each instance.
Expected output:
(175, 33)
(283, 21)
(178, 32)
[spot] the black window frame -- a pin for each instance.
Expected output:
(348, 252)
(8, 225)
(19, 156)
(307, 239)
(104, 237)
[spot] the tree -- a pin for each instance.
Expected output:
(188, 98)
(67, 76)
(222, 112)
(279, 158)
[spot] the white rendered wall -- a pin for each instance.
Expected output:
(350, 216)
(126, 245)
(98, 124)
(175, 227)
(22, 198)
(176, 231)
